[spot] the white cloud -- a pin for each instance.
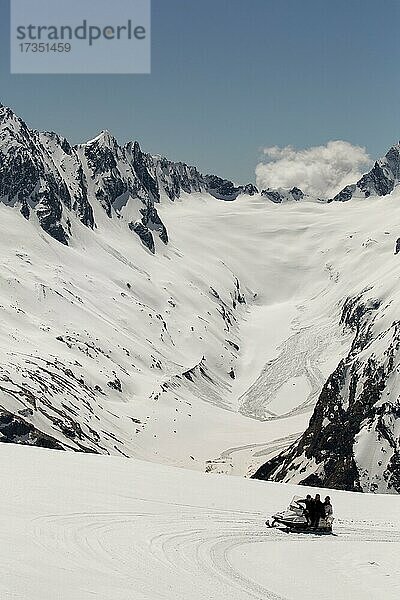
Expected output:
(321, 171)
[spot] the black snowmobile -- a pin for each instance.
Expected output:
(293, 519)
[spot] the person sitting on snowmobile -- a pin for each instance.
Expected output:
(308, 508)
(328, 507)
(318, 511)
(327, 519)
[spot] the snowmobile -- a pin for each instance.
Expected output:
(293, 519)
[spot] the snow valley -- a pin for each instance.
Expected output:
(153, 312)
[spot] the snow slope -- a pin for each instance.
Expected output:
(107, 527)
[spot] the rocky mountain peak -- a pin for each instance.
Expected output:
(104, 138)
(44, 174)
(13, 130)
(379, 181)
(6, 114)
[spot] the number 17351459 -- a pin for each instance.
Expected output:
(44, 47)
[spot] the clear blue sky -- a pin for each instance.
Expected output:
(232, 76)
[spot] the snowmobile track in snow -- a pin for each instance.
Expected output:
(196, 543)
(188, 548)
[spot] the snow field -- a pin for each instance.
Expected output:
(77, 527)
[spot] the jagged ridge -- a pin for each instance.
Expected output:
(46, 176)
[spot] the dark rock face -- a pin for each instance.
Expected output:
(272, 195)
(150, 222)
(175, 178)
(351, 406)
(346, 193)
(49, 211)
(250, 189)
(297, 194)
(279, 196)
(222, 189)
(145, 235)
(81, 205)
(143, 165)
(397, 247)
(379, 181)
(15, 430)
(115, 384)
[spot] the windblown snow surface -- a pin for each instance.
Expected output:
(78, 527)
(209, 354)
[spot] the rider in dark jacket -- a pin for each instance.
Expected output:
(318, 511)
(308, 508)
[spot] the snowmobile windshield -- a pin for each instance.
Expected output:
(294, 504)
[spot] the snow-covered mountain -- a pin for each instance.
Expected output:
(379, 181)
(152, 311)
(95, 327)
(42, 173)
